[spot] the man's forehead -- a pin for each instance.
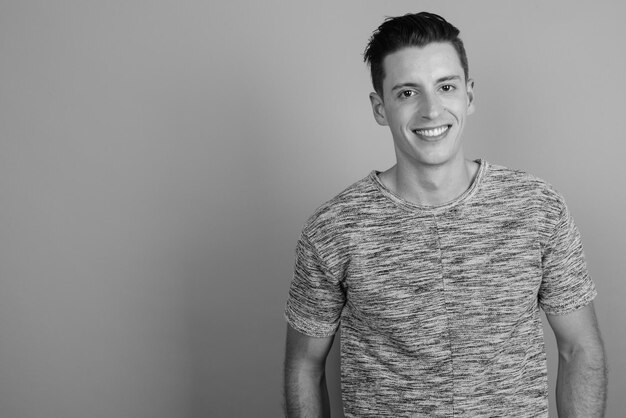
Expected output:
(434, 60)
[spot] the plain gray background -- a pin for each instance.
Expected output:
(159, 158)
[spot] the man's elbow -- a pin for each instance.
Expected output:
(589, 352)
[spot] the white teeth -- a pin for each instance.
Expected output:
(432, 132)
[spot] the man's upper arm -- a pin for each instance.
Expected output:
(305, 351)
(576, 330)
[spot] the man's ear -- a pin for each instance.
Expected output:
(378, 108)
(470, 96)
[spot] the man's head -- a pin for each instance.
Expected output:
(400, 32)
(423, 92)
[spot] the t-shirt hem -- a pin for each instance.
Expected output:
(563, 310)
(310, 328)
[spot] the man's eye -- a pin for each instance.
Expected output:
(447, 88)
(407, 93)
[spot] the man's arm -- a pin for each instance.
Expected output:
(582, 377)
(306, 394)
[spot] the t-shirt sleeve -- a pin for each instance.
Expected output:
(566, 284)
(316, 297)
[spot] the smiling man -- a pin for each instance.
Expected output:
(437, 268)
(424, 99)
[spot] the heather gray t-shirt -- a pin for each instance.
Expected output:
(439, 306)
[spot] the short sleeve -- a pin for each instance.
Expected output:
(316, 297)
(566, 284)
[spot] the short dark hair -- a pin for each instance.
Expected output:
(418, 29)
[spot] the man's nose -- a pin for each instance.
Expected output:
(431, 106)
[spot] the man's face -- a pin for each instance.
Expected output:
(425, 102)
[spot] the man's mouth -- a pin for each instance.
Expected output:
(432, 132)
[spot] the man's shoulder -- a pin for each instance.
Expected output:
(507, 175)
(523, 194)
(520, 183)
(345, 206)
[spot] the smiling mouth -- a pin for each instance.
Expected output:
(433, 132)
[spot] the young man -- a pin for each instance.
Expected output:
(437, 267)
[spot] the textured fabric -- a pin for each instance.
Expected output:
(439, 306)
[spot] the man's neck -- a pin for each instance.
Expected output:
(430, 185)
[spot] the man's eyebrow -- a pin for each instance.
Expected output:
(402, 85)
(440, 80)
(449, 78)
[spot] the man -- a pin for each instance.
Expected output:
(437, 267)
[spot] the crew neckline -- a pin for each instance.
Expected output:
(405, 204)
